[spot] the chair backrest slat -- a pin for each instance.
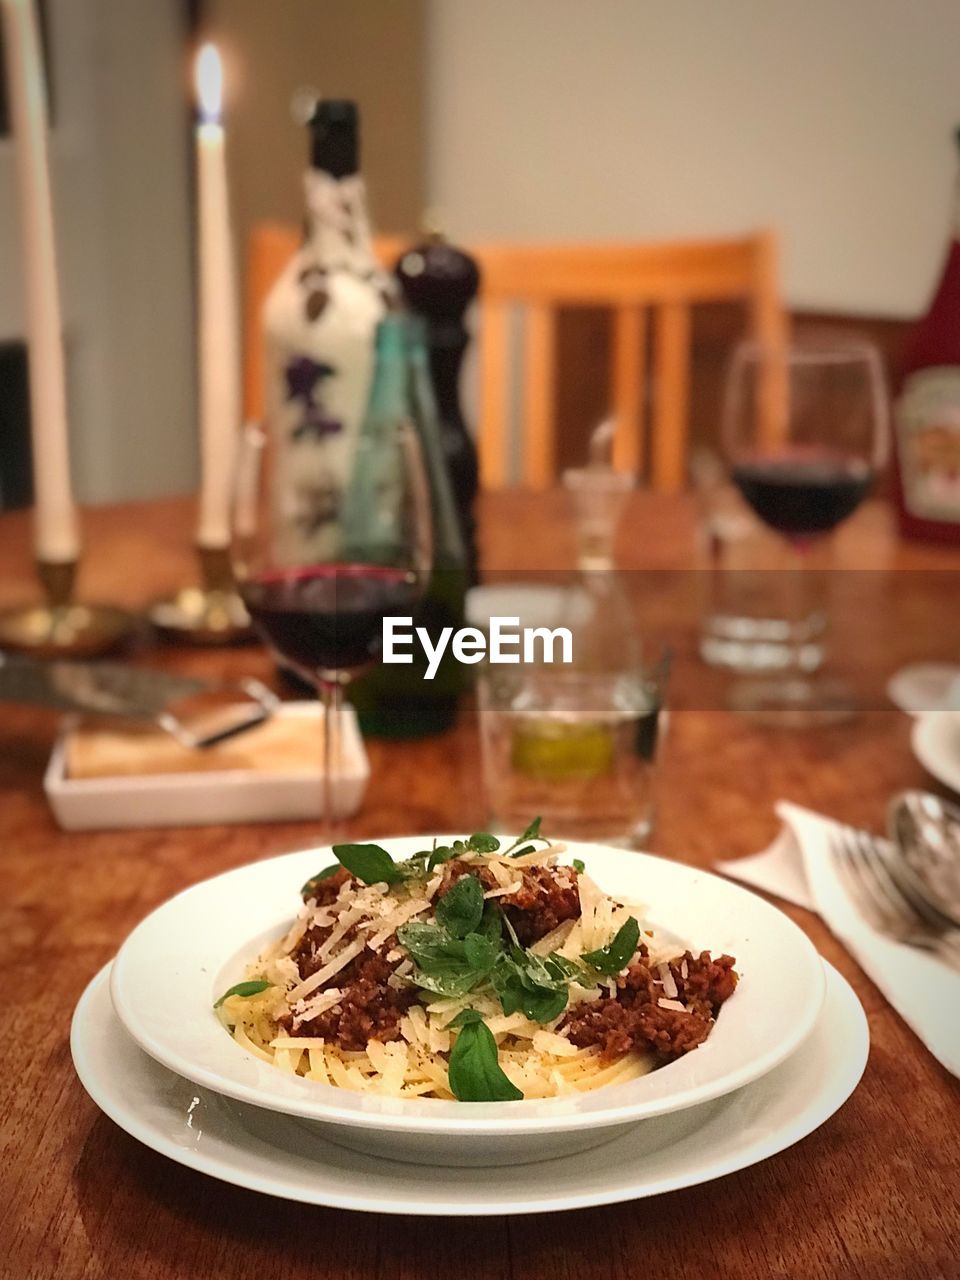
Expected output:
(629, 360)
(539, 409)
(494, 379)
(671, 411)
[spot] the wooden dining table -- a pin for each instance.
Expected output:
(873, 1193)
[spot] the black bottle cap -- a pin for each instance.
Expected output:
(335, 137)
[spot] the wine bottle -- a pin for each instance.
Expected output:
(320, 320)
(397, 701)
(927, 413)
(438, 282)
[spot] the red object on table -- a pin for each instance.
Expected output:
(927, 414)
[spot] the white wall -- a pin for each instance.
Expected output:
(120, 172)
(596, 119)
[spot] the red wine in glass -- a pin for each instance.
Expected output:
(329, 617)
(803, 494)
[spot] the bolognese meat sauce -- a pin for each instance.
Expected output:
(651, 1010)
(635, 1018)
(547, 897)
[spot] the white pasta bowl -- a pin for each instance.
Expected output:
(189, 950)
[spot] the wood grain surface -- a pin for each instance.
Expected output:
(871, 1194)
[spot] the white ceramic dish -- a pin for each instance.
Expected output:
(203, 799)
(274, 1154)
(936, 744)
(925, 686)
(172, 967)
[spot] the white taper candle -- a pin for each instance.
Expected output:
(55, 518)
(218, 321)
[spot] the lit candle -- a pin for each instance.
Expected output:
(55, 517)
(218, 328)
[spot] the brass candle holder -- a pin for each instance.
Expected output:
(209, 614)
(59, 627)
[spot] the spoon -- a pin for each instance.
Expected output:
(926, 831)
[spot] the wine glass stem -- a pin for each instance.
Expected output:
(331, 690)
(805, 606)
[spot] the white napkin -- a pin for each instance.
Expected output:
(923, 990)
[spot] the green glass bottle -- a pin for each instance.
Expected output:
(397, 701)
(373, 518)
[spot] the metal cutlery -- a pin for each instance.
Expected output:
(926, 831)
(195, 712)
(886, 900)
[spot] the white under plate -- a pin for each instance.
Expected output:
(936, 744)
(268, 1152)
(176, 962)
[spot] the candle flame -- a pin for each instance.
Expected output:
(209, 75)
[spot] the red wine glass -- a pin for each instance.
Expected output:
(805, 432)
(319, 570)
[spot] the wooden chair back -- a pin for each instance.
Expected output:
(638, 282)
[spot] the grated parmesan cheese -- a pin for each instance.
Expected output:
(308, 1010)
(504, 890)
(320, 977)
(667, 979)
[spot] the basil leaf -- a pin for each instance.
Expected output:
(542, 1005)
(443, 853)
(321, 875)
(536, 973)
(511, 998)
(611, 959)
(539, 1004)
(475, 1072)
(527, 848)
(480, 953)
(430, 945)
(561, 967)
(464, 1018)
(450, 985)
(446, 965)
(460, 910)
(532, 832)
(491, 923)
(368, 862)
(483, 842)
(414, 867)
(579, 866)
(244, 989)
(531, 983)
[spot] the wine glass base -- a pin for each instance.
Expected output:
(794, 702)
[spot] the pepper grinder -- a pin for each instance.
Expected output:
(438, 282)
